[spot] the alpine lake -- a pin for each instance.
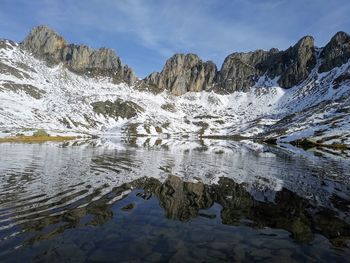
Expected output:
(154, 200)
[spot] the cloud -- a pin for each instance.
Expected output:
(175, 26)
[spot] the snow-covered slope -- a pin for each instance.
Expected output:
(34, 95)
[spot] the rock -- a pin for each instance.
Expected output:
(336, 52)
(118, 108)
(154, 257)
(183, 73)
(60, 251)
(128, 207)
(239, 253)
(46, 44)
(7, 44)
(129, 75)
(171, 107)
(14, 71)
(30, 90)
(102, 255)
(341, 79)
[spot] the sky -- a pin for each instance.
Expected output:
(145, 33)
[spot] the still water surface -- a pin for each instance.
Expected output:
(179, 201)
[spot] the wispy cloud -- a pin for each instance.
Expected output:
(165, 26)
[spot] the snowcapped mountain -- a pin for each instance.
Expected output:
(302, 92)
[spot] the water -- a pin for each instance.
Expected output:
(149, 200)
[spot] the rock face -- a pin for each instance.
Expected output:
(336, 52)
(241, 70)
(298, 62)
(46, 44)
(183, 73)
(116, 109)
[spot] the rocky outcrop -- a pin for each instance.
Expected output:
(240, 71)
(183, 73)
(336, 52)
(46, 44)
(116, 109)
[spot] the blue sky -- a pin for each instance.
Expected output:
(145, 33)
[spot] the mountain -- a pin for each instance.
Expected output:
(240, 71)
(301, 92)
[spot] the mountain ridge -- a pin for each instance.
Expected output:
(187, 72)
(185, 99)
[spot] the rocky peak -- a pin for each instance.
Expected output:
(182, 60)
(336, 52)
(298, 62)
(183, 73)
(240, 71)
(46, 44)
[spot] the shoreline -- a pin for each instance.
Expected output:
(37, 139)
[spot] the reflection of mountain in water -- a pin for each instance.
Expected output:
(186, 200)
(50, 189)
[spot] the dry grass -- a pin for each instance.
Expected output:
(37, 139)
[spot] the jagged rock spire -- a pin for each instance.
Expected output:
(46, 44)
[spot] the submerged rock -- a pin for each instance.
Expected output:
(128, 207)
